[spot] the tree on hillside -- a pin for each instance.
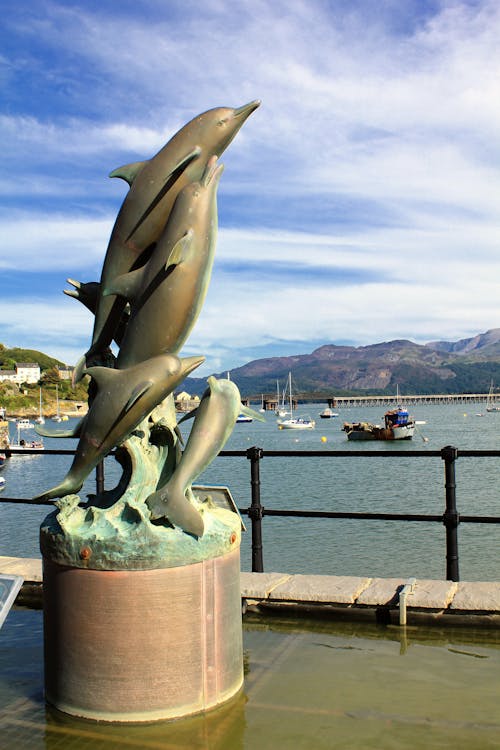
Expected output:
(50, 376)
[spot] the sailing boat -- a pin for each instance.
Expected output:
(57, 417)
(280, 410)
(40, 419)
(295, 423)
(262, 404)
(491, 403)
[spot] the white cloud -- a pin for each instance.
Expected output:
(377, 137)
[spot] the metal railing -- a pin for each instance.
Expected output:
(450, 518)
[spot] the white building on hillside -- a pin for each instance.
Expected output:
(25, 372)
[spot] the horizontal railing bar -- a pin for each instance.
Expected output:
(350, 514)
(284, 454)
(369, 453)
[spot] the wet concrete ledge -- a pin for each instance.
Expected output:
(474, 603)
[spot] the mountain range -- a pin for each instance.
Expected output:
(465, 366)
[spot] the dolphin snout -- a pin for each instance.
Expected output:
(247, 109)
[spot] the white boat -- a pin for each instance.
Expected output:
(243, 418)
(24, 424)
(40, 419)
(280, 410)
(2, 483)
(295, 423)
(328, 413)
(262, 404)
(491, 402)
(57, 417)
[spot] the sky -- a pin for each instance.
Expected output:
(360, 203)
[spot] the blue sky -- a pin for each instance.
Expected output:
(360, 203)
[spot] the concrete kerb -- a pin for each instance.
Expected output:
(475, 603)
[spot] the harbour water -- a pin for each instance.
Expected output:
(326, 546)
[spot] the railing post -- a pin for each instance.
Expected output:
(451, 518)
(256, 511)
(99, 477)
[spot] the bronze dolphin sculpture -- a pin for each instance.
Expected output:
(154, 185)
(167, 293)
(123, 399)
(215, 418)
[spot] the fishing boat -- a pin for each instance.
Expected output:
(491, 403)
(295, 423)
(398, 425)
(328, 414)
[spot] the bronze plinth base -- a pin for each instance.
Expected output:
(142, 645)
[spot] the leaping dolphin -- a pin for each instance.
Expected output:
(167, 294)
(154, 185)
(123, 399)
(215, 418)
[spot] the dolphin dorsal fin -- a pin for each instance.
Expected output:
(251, 413)
(128, 172)
(136, 394)
(128, 285)
(105, 377)
(180, 250)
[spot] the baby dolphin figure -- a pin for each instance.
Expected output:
(123, 399)
(167, 294)
(215, 418)
(154, 186)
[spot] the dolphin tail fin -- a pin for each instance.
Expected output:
(177, 509)
(71, 433)
(69, 486)
(252, 413)
(79, 370)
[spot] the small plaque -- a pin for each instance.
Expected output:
(220, 496)
(9, 587)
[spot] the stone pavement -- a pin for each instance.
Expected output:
(346, 597)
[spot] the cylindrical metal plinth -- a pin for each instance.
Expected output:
(142, 645)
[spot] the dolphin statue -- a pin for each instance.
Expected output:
(123, 399)
(167, 293)
(215, 418)
(154, 186)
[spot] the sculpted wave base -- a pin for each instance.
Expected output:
(124, 538)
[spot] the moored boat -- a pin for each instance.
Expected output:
(24, 424)
(31, 444)
(491, 403)
(295, 423)
(328, 413)
(398, 425)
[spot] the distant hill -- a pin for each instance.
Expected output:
(9, 356)
(466, 366)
